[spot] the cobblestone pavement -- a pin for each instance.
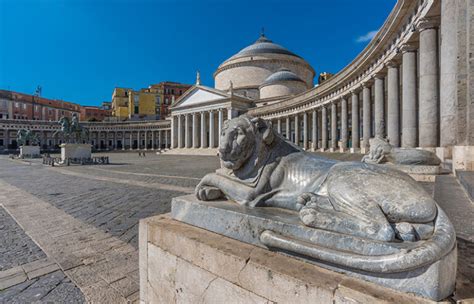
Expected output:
(85, 220)
(16, 248)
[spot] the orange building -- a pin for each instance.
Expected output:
(91, 113)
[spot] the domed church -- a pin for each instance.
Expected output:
(259, 74)
(264, 69)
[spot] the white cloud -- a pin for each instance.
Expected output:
(367, 37)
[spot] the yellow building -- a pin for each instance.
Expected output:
(128, 104)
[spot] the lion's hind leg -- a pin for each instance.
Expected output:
(319, 212)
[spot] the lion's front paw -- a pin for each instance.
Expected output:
(206, 193)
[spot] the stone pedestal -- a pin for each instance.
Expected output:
(444, 153)
(29, 151)
(180, 263)
(75, 151)
(463, 158)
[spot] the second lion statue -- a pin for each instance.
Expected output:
(259, 168)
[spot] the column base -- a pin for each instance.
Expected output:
(444, 153)
(364, 150)
(322, 150)
(343, 150)
(332, 150)
(463, 158)
(355, 150)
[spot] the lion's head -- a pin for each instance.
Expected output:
(239, 139)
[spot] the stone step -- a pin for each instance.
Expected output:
(466, 179)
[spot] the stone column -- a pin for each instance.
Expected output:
(333, 127)
(324, 128)
(393, 104)
(211, 130)
(366, 117)
(146, 140)
(153, 140)
(448, 75)
(355, 121)
(195, 131)
(230, 114)
(297, 130)
(173, 131)
(187, 134)
(220, 124)
(379, 105)
(344, 133)
(279, 125)
(429, 89)
(131, 140)
(180, 133)
(305, 130)
(203, 130)
(409, 117)
(139, 139)
(314, 131)
(166, 139)
(288, 128)
(160, 140)
(7, 139)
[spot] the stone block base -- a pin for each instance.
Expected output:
(463, 158)
(444, 153)
(75, 151)
(355, 150)
(180, 263)
(29, 151)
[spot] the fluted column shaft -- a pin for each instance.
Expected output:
(409, 129)
(305, 130)
(344, 133)
(220, 124)
(379, 106)
(393, 105)
(297, 130)
(211, 130)
(324, 128)
(138, 140)
(180, 132)
(314, 131)
(366, 116)
(448, 74)
(279, 125)
(288, 128)
(203, 130)
(187, 137)
(429, 90)
(195, 131)
(131, 140)
(355, 120)
(333, 126)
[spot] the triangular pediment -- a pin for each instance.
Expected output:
(199, 95)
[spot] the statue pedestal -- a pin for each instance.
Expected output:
(75, 151)
(180, 263)
(434, 279)
(29, 151)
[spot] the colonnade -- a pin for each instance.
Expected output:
(399, 102)
(199, 129)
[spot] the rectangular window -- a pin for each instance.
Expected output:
(17, 105)
(24, 106)
(136, 110)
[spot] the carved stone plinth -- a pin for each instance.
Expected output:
(264, 226)
(79, 151)
(29, 151)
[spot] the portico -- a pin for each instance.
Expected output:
(198, 116)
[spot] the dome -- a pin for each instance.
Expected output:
(263, 45)
(281, 75)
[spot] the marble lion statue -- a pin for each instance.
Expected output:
(259, 168)
(381, 151)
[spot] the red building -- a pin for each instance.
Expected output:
(90, 113)
(14, 105)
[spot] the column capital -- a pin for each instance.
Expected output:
(428, 23)
(407, 48)
(379, 75)
(393, 63)
(367, 84)
(355, 91)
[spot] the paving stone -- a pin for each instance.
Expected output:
(42, 271)
(16, 277)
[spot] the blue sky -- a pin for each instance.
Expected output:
(80, 50)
